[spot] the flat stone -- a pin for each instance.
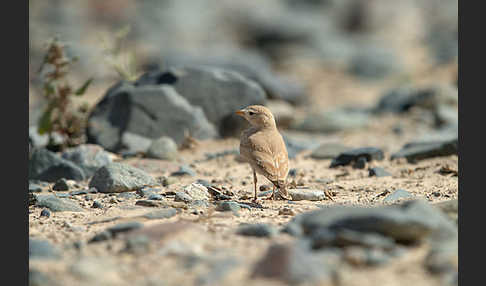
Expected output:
(378, 172)
(257, 230)
(397, 195)
(414, 152)
(307, 195)
(56, 204)
(351, 156)
(161, 214)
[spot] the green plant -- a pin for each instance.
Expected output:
(117, 57)
(60, 115)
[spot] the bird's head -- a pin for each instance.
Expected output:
(258, 116)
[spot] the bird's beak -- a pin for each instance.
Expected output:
(240, 112)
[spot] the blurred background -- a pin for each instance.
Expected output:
(309, 55)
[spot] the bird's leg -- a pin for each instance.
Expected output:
(255, 183)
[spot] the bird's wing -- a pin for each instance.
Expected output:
(268, 153)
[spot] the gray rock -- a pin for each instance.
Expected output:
(374, 62)
(250, 65)
(42, 249)
(257, 230)
(184, 170)
(155, 111)
(161, 214)
(410, 222)
(137, 244)
(296, 146)
(378, 172)
(163, 148)
(329, 151)
(56, 204)
(307, 195)
(34, 188)
(97, 205)
(61, 185)
(402, 98)
(132, 143)
(117, 178)
(344, 238)
(155, 197)
(294, 264)
(333, 121)
(102, 236)
(46, 213)
(38, 278)
(228, 206)
(416, 151)
(124, 227)
(397, 195)
(351, 156)
(84, 192)
(88, 157)
(450, 208)
(191, 193)
(217, 91)
(47, 166)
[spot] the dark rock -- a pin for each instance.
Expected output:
(147, 203)
(378, 172)
(42, 249)
(163, 148)
(46, 213)
(47, 166)
(56, 204)
(410, 222)
(217, 91)
(397, 195)
(150, 111)
(88, 157)
(61, 185)
(403, 98)
(84, 192)
(184, 170)
(161, 214)
(257, 230)
(97, 205)
(345, 237)
(351, 156)
(117, 178)
(360, 163)
(329, 151)
(155, 197)
(32, 199)
(416, 151)
(124, 227)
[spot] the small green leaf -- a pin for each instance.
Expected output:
(83, 88)
(45, 124)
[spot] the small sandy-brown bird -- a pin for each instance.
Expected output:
(263, 147)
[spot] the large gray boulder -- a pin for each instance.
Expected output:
(148, 110)
(118, 178)
(219, 92)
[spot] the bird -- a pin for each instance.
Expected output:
(263, 147)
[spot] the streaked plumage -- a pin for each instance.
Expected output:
(262, 146)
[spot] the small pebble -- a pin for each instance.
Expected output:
(61, 185)
(46, 213)
(97, 205)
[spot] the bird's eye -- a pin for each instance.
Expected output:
(251, 113)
